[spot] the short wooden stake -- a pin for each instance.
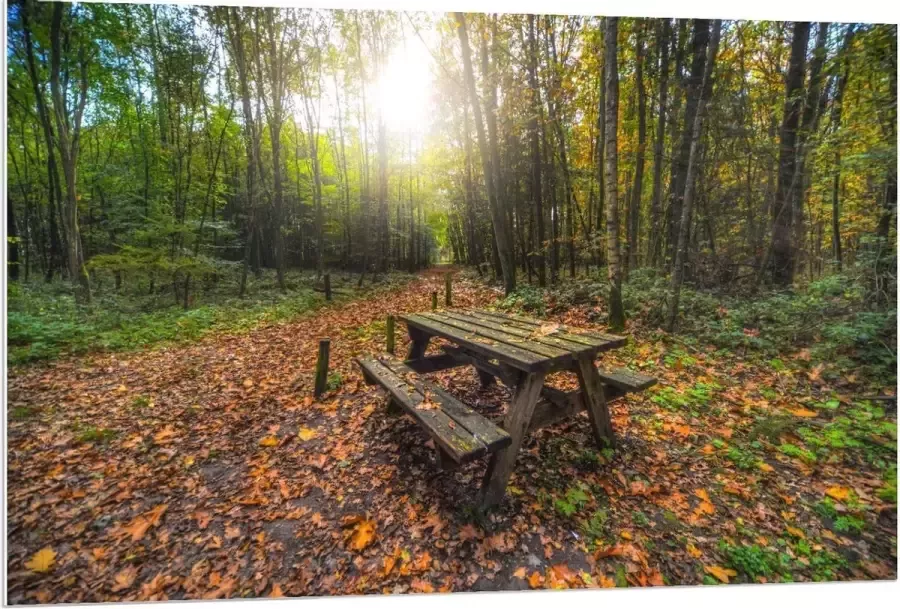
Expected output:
(434, 301)
(327, 286)
(322, 366)
(390, 334)
(448, 298)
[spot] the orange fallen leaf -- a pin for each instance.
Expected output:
(535, 580)
(306, 434)
(420, 585)
(363, 535)
(796, 532)
(520, 573)
(839, 493)
(693, 551)
(804, 412)
(719, 573)
(276, 592)
(269, 441)
(124, 578)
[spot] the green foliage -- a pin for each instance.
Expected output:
(334, 381)
(525, 298)
(574, 500)
(595, 527)
(752, 560)
(92, 434)
(44, 321)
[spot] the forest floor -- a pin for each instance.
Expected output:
(206, 471)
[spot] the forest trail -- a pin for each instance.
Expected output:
(207, 471)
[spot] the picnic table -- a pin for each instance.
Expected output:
(519, 351)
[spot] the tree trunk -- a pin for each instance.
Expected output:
(836, 112)
(782, 219)
(534, 137)
(614, 270)
(68, 132)
(689, 190)
(635, 204)
(662, 46)
(699, 43)
(504, 251)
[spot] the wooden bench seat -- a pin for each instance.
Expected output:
(461, 433)
(626, 380)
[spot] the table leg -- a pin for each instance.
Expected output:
(595, 401)
(418, 343)
(485, 378)
(525, 397)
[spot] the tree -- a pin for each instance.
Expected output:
(703, 96)
(782, 219)
(664, 33)
(498, 218)
(611, 86)
(68, 130)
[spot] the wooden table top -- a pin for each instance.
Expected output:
(524, 343)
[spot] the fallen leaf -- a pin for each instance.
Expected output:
(719, 573)
(420, 585)
(839, 493)
(306, 434)
(363, 535)
(124, 578)
(535, 580)
(804, 412)
(42, 560)
(520, 573)
(693, 551)
(269, 441)
(796, 532)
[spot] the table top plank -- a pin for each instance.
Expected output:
(500, 335)
(492, 349)
(551, 339)
(587, 337)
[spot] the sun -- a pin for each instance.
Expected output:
(404, 88)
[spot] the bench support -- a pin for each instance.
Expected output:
(595, 401)
(418, 343)
(516, 423)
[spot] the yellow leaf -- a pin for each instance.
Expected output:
(307, 433)
(625, 534)
(188, 461)
(796, 532)
(520, 573)
(804, 412)
(765, 467)
(693, 551)
(363, 535)
(42, 560)
(122, 388)
(719, 573)
(840, 493)
(269, 441)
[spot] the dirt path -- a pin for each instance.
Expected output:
(206, 471)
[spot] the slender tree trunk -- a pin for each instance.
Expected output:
(699, 43)
(635, 204)
(664, 33)
(614, 273)
(782, 231)
(836, 114)
(534, 138)
(504, 251)
(689, 190)
(68, 131)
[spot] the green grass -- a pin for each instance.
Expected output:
(44, 322)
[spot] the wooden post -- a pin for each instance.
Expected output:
(434, 301)
(327, 286)
(322, 366)
(448, 299)
(390, 334)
